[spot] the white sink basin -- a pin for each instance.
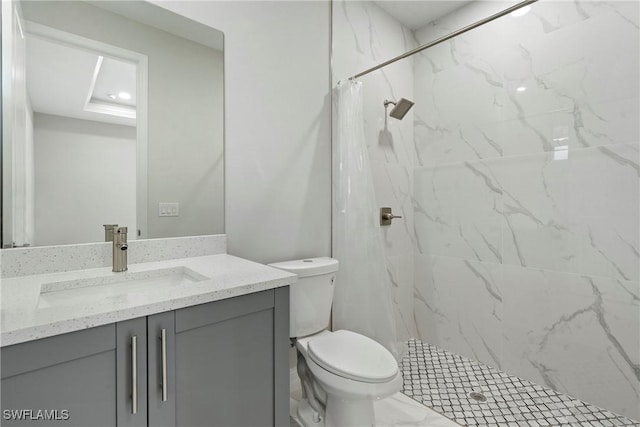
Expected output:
(115, 285)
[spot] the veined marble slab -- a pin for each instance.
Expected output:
(24, 319)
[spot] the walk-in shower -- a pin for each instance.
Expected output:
(511, 260)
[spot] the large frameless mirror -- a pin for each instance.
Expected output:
(112, 114)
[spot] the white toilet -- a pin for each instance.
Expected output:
(341, 372)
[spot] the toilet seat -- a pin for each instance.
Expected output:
(353, 356)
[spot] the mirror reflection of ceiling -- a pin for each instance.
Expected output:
(165, 20)
(115, 83)
(71, 82)
(417, 14)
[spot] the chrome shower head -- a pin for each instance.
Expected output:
(400, 108)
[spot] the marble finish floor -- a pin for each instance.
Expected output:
(443, 382)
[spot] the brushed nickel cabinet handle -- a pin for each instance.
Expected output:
(134, 374)
(163, 339)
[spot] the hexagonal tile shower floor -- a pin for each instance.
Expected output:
(473, 394)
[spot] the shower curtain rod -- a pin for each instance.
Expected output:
(447, 37)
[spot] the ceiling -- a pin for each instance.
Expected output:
(415, 14)
(72, 82)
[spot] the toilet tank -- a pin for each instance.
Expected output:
(311, 296)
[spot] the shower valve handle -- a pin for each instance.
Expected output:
(386, 215)
(390, 216)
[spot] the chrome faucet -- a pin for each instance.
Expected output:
(120, 247)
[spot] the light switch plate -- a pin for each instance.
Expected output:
(169, 209)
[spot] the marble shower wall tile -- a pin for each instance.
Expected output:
(365, 35)
(570, 210)
(536, 219)
(458, 306)
(566, 233)
(458, 211)
(527, 151)
(400, 270)
(568, 126)
(393, 185)
(469, 106)
(565, 101)
(455, 106)
(580, 60)
(605, 210)
(576, 334)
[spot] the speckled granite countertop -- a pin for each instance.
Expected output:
(29, 310)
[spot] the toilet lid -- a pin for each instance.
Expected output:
(354, 356)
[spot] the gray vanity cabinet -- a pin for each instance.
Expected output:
(223, 363)
(83, 378)
(131, 373)
(73, 372)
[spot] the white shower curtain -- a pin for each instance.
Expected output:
(363, 296)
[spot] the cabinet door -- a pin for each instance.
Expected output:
(229, 359)
(161, 369)
(131, 336)
(66, 380)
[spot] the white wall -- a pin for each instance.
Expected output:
(85, 177)
(277, 125)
